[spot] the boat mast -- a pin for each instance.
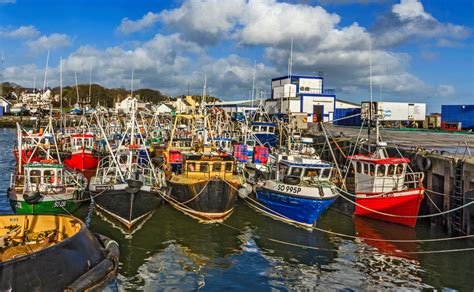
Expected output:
(61, 91)
(369, 122)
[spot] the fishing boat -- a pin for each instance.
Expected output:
(53, 253)
(206, 184)
(46, 187)
(385, 189)
(300, 191)
(81, 147)
(127, 186)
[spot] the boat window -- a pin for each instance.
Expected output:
(35, 176)
(255, 128)
(325, 173)
(263, 128)
(358, 167)
(48, 176)
(365, 168)
(282, 169)
(296, 171)
(271, 129)
(371, 169)
(381, 170)
(399, 169)
(204, 167)
(216, 166)
(311, 172)
(391, 169)
(228, 166)
(191, 166)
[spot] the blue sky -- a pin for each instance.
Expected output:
(422, 51)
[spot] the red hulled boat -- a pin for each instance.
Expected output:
(384, 189)
(82, 157)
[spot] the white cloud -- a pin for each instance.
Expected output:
(23, 32)
(128, 26)
(410, 9)
(53, 41)
(204, 21)
(445, 90)
(408, 21)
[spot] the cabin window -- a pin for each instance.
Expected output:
(204, 167)
(371, 169)
(264, 129)
(358, 167)
(296, 171)
(391, 170)
(216, 166)
(325, 172)
(255, 128)
(381, 170)
(365, 168)
(191, 166)
(228, 166)
(399, 169)
(48, 176)
(271, 129)
(35, 176)
(312, 172)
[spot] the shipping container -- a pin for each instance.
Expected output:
(347, 116)
(398, 111)
(454, 114)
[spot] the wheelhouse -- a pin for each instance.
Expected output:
(82, 141)
(305, 172)
(263, 128)
(208, 166)
(43, 176)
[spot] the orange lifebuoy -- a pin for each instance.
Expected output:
(133, 146)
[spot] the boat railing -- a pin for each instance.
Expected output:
(414, 179)
(44, 183)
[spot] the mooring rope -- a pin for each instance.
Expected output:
(363, 238)
(401, 216)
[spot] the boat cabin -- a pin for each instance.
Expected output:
(82, 141)
(304, 171)
(263, 128)
(43, 176)
(374, 175)
(224, 144)
(196, 166)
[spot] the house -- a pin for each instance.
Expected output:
(236, 106)
(302, 94)
(163, 108)
(186, 105)
(125, 106)
(5, 106)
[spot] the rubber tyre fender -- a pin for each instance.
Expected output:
(291, 180)
(423, 163)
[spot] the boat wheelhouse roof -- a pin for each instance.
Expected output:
(208, 157)
(42, 165)
(319, 164)
(82, 136)
(369, 159)
(221, 139)
(263, 124)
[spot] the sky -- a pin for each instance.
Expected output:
(421, 51)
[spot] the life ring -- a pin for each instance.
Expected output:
(133, 146)
(423, 163)
(48, 161)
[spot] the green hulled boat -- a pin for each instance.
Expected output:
(46, 187)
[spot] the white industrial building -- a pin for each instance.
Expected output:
(302, 94)
(236, 106)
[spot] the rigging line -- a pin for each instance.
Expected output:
(370, 239)
(400, 216)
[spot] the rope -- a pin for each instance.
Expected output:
(401, 216)
(366, 238)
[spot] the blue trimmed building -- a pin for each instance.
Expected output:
(302, 94)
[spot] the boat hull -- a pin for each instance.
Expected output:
(405, 203)
(46, 205)
(267, 139)
(26, 155)
(213, 199)
(82, 160)
(293, 209)
(127, 208)
(56, 267)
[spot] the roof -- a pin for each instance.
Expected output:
(297, 76)
(5, 100)
(390, 160)
(348, 102)
(263, 124)
(42, 165)
(317, 165)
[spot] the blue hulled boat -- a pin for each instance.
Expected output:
(300, 192)
(264, 132)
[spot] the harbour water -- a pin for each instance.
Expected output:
(173, 251)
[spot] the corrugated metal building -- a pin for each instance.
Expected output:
(455, 114)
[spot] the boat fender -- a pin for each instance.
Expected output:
(245, 190)
(423, 163)
(33, 199)
(291, 180)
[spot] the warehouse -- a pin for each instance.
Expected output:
(456, 117)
